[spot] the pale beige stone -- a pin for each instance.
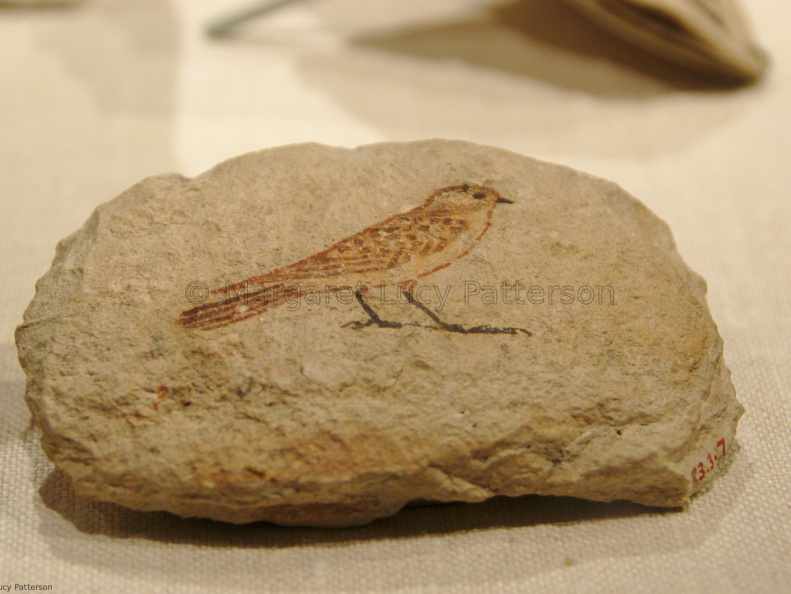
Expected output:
(41, 3)
(711, 36)
(303, 414)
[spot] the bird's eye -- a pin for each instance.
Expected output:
(479, 195)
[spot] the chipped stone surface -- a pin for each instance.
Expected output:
(711, 36)
(597, 374)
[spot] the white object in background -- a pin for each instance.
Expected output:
(711, 36)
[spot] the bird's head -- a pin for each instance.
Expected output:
(466, 194)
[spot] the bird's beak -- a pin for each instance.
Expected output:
(505, 200)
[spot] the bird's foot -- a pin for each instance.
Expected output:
(357, 325)
(486, 329)
(483, 329)
(375, 320)
(373, 317)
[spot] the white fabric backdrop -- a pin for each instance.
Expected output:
(94, 98)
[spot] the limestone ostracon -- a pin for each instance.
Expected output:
(317, 336)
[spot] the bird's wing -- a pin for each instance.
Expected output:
(378, 248)
(384, 246)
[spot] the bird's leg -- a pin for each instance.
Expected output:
(374, 318)
(485, 329)
(449, 327)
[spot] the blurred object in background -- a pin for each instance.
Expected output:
(709, 36)
(225, 25)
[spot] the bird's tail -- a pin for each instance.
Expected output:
(233, 309)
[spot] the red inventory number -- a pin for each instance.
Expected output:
(703, 468)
